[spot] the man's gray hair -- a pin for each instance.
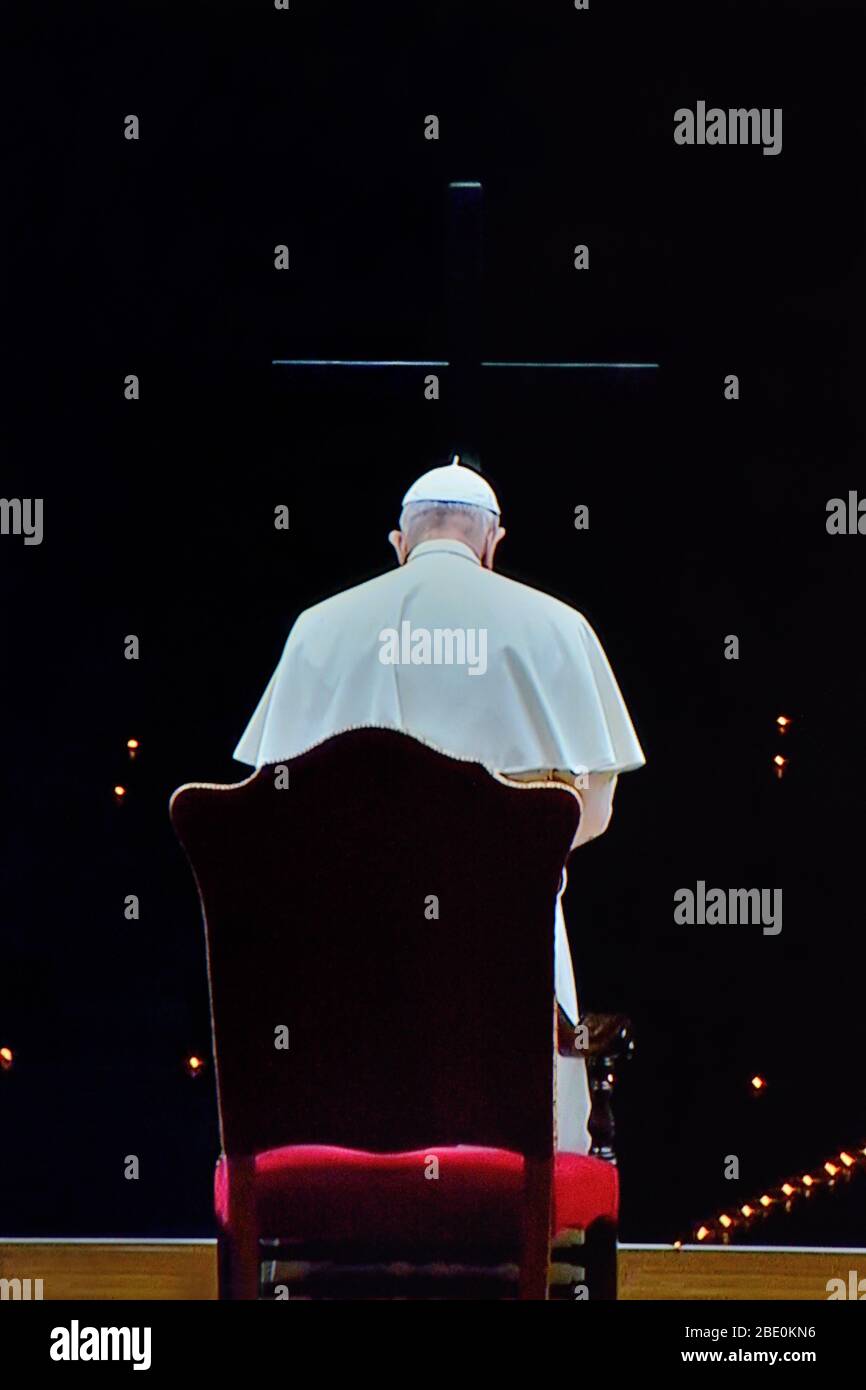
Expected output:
(420, 520)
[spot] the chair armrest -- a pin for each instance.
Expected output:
(608, 1037)
(606, 1041)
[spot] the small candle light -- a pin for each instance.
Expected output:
(119, 794)
(831, 1168)
(132, 747)
(758, 1083)
(808, 1181)
(702, 1232)
(788, 1189)
(846, 1159)
(766, 1201)
(780, 764)
(747, 1211)
(7, 1057)
(783, 723)
(194, 1065)
(725, 1221)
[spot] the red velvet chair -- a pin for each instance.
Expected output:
(380, 957)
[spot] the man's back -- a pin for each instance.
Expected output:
(473, 663)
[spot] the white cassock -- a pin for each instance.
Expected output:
(546, 699)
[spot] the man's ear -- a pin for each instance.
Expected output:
(398, 540)
(490, 546)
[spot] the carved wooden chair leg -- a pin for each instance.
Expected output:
(535, 1255)
(239, 1250)
(603, 1040)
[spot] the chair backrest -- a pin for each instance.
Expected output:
(393, 909)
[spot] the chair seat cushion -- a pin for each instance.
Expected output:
(321, 1193)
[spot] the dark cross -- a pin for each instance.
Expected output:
(463, 364)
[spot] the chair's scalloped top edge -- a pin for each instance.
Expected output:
(500, 777)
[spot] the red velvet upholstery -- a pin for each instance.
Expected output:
(334, 1194)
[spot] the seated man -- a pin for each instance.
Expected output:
(470, 663)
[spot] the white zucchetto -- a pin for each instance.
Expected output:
(453, 483)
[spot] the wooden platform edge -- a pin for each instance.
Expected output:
(89, 1270)
(113, 1269)
(697, 1273)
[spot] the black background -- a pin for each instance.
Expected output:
(707, 518)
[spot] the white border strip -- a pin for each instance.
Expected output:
(755, 1249)
(106, 1240)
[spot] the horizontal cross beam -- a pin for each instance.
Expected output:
(405, 362)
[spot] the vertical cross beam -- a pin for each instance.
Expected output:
(461, 386)
(465, 250)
